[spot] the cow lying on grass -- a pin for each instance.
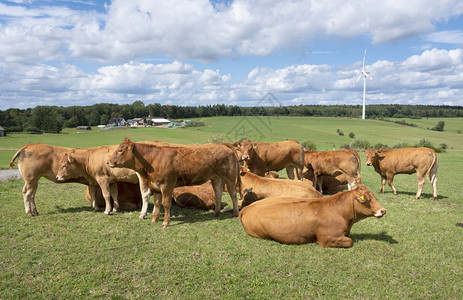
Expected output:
(254, 187)
(326, 221)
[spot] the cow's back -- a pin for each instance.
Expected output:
(275, 218)
(276, 156)
(39, 160)
(406, 160)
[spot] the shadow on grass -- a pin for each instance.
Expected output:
(423, 195)
(179, 215)
(373, 236)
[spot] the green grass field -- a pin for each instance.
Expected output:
(71, 252)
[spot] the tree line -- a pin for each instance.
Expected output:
(54, 118)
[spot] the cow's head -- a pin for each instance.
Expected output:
(123, 155)
(67, 167)
(372, 155)
(247, 150)
(366, 204)
(244, 170)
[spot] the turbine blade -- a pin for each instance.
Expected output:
(364, 54)
(360, 76)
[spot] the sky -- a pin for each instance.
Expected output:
(233, 52)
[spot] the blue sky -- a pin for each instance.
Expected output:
(204, 52)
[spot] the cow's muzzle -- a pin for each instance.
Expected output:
(368, 163)
(380, 213)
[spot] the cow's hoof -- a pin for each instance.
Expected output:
(165, 225)
(107, 213)
(141, 217)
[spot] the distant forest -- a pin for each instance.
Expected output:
(54, 118)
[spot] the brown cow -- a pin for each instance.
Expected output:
(333, 163)
(254, 187)
(330, 184)
(422, 161)
(128, 196)
(264, 157)
(36, 161)
(90, 163)
(163, 168)
(196, 196)
(326, 221)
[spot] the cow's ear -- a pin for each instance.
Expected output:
(379, 150)
(70, 157)
(361, 199)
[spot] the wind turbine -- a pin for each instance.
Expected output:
(365, 75)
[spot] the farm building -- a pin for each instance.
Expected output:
(84, 128)
(159, 121)
(2, 131)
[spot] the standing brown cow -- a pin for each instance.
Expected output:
(36, 161)
(163, 168)
(264, 157)
(422, 161)
(333, 163)
(90, 163)
(326, 221)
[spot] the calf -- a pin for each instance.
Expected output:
(90, 163)
(36, 161)
(422, 161)
(163, 168)
(326, 221)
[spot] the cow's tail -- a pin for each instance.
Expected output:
(432, 171)
(358, 177)
(16, 155)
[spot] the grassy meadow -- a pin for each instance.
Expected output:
(69, 251)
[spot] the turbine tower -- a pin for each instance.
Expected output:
(365, 75)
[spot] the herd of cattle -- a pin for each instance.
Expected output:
(289, 211)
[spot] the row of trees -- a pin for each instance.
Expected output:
(53, 118)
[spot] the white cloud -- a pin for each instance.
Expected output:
(197, 30)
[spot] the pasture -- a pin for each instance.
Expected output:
(69, 251)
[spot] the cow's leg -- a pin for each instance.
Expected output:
(29, 190)
(336, 242)
(145, 195)
(383, 183)
(290, 172)
(420, 179)
(92, 189)
(115, 195)
(218, 190)
(157, 207)
(434, 186)
(390, 178)
(107, 198)
(167, 192)
(351, 183)
(319, 181)
(231, 188)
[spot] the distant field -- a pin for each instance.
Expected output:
(71, 252)
(322, 131)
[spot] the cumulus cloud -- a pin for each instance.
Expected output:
(198, 30)
(45, 51)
